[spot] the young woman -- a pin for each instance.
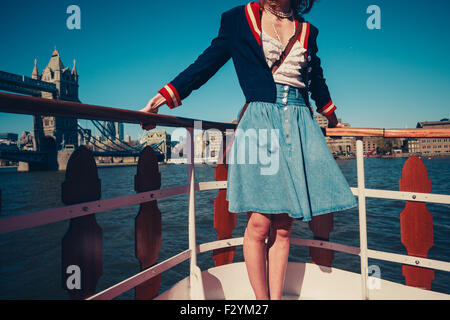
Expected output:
(307, 181)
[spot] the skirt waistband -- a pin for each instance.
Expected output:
(289, 95)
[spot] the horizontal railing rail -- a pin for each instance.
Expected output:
(13, 103)
(43, 217)
(388, 133)
(47, 216)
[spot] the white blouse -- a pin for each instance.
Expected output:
(290, 71)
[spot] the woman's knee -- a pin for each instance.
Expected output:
(281, 226)
(258, 226)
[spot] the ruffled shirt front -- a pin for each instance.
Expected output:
(290, 71)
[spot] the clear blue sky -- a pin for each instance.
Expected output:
(127, 50)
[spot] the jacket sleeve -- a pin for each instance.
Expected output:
(199, 72)
(318, 87)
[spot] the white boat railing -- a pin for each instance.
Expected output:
(19, 104)
(10, 224)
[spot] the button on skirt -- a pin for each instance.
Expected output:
(280, 162)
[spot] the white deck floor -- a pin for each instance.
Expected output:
(304, 281)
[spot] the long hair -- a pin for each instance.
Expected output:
(300, 7)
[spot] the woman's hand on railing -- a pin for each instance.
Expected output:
(333, 123)
(152, 107)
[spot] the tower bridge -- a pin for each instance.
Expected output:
(55, 138)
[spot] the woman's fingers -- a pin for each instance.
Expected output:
(147, 126)
(149, 108)
(154, 104)
(338, 125)
(152, 107)
(158, 101)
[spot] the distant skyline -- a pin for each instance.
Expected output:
(127, 50)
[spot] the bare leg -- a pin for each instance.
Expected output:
(279, 243)
(255, 253)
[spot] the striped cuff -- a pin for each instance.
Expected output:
(171, 94)
(328, 109)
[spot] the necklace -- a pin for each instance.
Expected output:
(276, 32)
(279, 14)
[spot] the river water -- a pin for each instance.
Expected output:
(30, 260)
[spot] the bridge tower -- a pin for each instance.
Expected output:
(64, 131)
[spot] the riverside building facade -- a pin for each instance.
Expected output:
(430, 146)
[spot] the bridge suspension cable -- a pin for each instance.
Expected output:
(111, 134)
(99, 128)
(97, 142)
(108, 148)
(102, 129)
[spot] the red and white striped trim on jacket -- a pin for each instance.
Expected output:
(171, 94)
(254, 19)
(253, 14)
(304, 35)
(328, 109)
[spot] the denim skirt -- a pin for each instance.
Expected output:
(279, 162)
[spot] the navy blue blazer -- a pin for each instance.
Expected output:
(239, 38)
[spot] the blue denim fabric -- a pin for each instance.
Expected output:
(301, 179)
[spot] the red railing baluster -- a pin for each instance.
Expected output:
(416, 223)
(148, 222)
(82, 244)
(224, 220)
(321, 227)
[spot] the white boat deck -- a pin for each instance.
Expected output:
(304, 281)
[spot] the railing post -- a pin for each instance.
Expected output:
(416, 223)
(321, 227)
(82, 245)
(196, 282)
(224, 220)
(147, 222)
(362, 218)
